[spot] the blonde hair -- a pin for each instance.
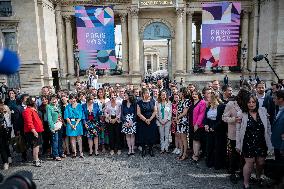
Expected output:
(214, 100)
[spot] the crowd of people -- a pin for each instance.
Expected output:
(236, 132)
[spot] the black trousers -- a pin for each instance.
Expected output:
(233, 157)
(46, 138)
(278, 157)
(114, 136)
(3, 145)
(216, 150)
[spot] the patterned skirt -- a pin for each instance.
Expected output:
(129, 130)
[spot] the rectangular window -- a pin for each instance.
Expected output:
(149, 63)
(5, 8)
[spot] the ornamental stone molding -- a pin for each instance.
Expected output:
(46, 4)
(9, 24)
(123, 17)
(167, 23)
(92, 2)
(180, 12)
(134, 11)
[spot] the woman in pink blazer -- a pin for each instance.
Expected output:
(198, 109)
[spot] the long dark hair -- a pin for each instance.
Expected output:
(130, 97)
(246, 109)
(240, 98)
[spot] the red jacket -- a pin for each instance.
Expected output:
(32, 121)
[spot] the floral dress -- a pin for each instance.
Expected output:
(174, 114)
(183, 125)
(93, 126)
(128, 115)
(103, 132)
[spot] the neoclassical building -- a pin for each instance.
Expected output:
(43, 32)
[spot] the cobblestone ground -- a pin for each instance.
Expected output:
(105, 171)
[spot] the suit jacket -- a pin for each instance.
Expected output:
(168, 113)
(277, 131)
(229, 116)
(217, 125)
(270, 107)
(241, 129)
(199, 113)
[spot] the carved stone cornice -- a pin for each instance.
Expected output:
(92, 2)
(67, 18)
(180, 12)
(46, 4)
(9, 23)
(123, 17)
(134, 10)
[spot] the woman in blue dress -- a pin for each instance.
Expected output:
(74, 115)
(128, 119)
(146, 111)
(91, 111)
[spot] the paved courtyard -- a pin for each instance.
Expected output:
(104, 171)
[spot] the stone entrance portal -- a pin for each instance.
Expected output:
(157, 54)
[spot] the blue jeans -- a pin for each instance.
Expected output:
(57, 144)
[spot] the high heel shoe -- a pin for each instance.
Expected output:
(143, 152)
(151, 152)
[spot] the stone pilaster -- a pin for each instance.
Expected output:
(189, 41)
(61, 43)
(69, 45)
(125, 63)
(179, 41)
(245, 30)
(135, 41)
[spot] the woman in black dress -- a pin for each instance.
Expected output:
(146, 111)
(253, 138)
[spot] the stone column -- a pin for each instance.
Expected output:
(61, 43)
(152, 63)
(198, 37)
(135, 40)
(179, 41)
(145, 64)
(158, 62)
(69, 44)
(245, 31)
(125, 63)
(189, 41)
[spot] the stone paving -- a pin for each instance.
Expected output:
(105, 171)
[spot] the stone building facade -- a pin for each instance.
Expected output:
(43, 32)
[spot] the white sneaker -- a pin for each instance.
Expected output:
(178, 152)
(10, 160)
(140, 148)
(118, 152)
(111, 152)
(6, 166)
(175, 150)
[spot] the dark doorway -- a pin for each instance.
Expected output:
(55, 80)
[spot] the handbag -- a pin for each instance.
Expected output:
(57, 125)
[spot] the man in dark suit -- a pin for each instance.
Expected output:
(277, 136)
(265, 100)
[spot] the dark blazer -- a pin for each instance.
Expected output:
(270, 107)
(217, 125)
(18, 119)
(277, 131)
(96, 111)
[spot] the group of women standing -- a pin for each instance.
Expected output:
(199, 124)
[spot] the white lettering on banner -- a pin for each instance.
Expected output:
(96, 38)
(220, 35)
(156, 3)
